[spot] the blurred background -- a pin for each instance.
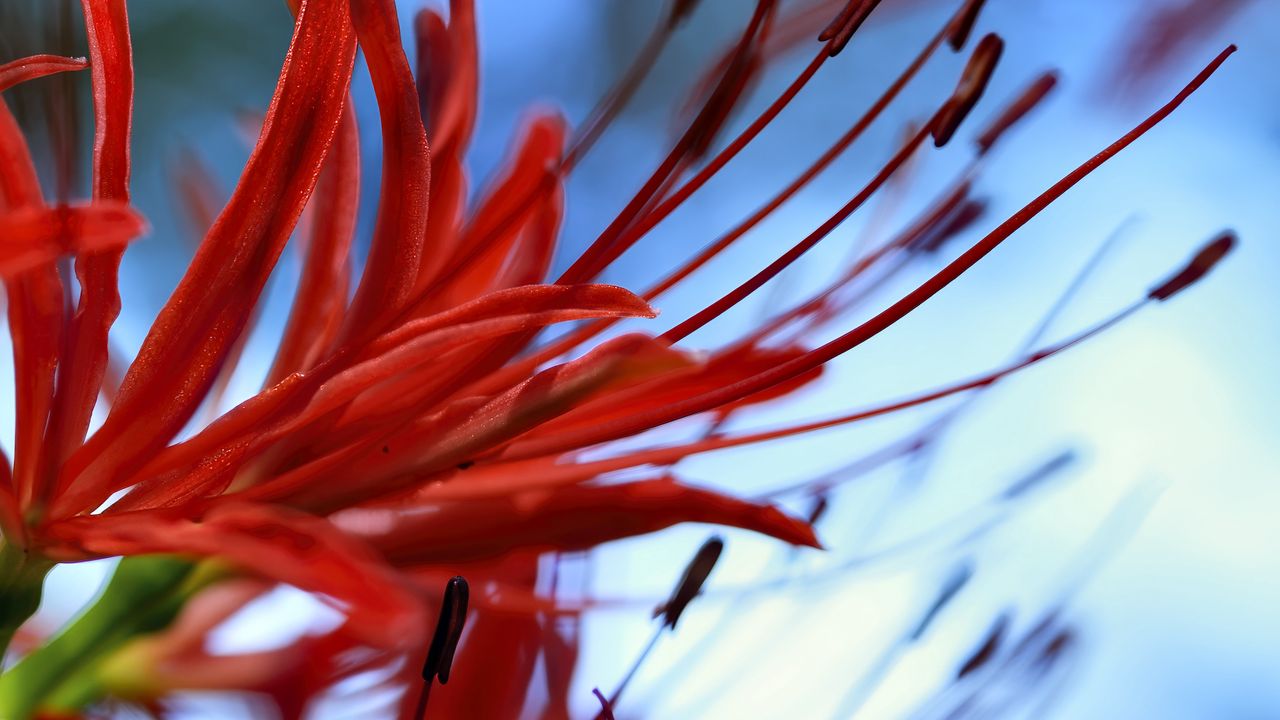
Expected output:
(1154, 545)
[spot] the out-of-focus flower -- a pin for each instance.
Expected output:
(410, 429)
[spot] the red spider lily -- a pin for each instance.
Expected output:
(411, 427)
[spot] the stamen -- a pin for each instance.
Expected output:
(603, 115)
(695, 576)
(1016, 111)
(955, 582)
(444, 643)
(619, 234)
(820, 505)
(719, 307)
(972, 84)
(1035, 478)
(581, 438)
(963, 26)
(988, 649)
(842, 29)
(837, 148)
(606, 710)
(680, 11)
(689, 587)
(1209, 256)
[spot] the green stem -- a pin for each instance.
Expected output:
(21, 584)
(145, 594)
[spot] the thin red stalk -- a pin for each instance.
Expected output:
(719, 307)
(603, 115)
(667, 455)
(722, 243)
(895, 312)
(920, 440)
(821, 306)
(619, 234)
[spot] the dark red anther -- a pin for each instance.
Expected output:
(1017, 110)
(680, 11)
(841, 18)
(728, 94)
(695, 576)
(959, 219)
(1057, 648)
(606, 707)
(453, 615)
(987, 650)
(1210, 255)
(841, 30)
(958, 33)
(972, 84)
(820, 506)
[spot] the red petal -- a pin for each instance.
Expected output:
(321, 299)
(200, 323)
(11, 525)
(85, 359)
(289, 547)
(424, 450)
(391, 270)
(206, 462)
(37, 66)
(34, 236)
(491, 239)
(35, 316)
(720, 370)
(570, 518)
(444, 220)
(454, 120)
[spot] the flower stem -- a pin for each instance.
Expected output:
(144, 594)
(21, 584)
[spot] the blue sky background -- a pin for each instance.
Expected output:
(1174, 413)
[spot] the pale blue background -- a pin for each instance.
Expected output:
(1178, 406)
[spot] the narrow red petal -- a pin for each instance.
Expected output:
(85, 359)
(206, 462)
(492, 237)
(11, 525)
(576, 517)
(391, 270)
(37, 66)
(35, 316)
(300, 550)
(418, 451)
(321, 299)
(198, 326)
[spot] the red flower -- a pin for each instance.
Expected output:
(417, 425)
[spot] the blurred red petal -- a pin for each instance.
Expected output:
(33, 236)
(289, 547)
(576, 517)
